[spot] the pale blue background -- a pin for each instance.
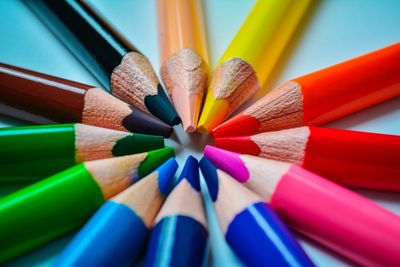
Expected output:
(334, 30)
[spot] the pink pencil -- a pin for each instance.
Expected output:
(329, 214)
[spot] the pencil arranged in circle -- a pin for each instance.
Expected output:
(325, 212)
(322, 96)
(41, 98)
(117, 233)
(179, 234)
(118, 65)
(184, 56)
(251, 56)
(63, 202)
(250, 226)
(30, 153)
(350, 158)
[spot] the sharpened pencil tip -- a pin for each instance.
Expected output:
(227, 161)
(166, 173)
(210, 175)
(139, 122)
(190, 172)
(137, 143)
(154, 159)
(161, 107)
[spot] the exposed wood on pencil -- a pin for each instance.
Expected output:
(185, 75)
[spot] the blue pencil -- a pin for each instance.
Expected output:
(118, 231)
(180, 233)
(251, 227)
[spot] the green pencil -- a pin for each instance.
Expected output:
(61, 203)
(30, 153)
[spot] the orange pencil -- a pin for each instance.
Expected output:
(184, 56)
(322, 96)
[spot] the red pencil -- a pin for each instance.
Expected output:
(350, 158)
(322, 96)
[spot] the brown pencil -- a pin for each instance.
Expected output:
(48, 98)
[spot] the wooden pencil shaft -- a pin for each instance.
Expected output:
(58, 99)
(95, 42)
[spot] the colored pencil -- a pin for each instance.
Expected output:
(322, 96)
(63, 202)
(350, 158)
(42, 98)
(179, 234)
(250, 58)
(184, 56)
(117, 233)
(118, 65)
(30, 153)
(251, 227)
(327, 213)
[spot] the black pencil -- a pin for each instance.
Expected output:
(117, 64)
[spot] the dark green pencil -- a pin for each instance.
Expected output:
(29, 153)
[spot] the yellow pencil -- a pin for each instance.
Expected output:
(250, 58)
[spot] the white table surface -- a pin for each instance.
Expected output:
(334, 30)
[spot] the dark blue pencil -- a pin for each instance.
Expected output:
(180, 233)
(251, 227)
(117, 233)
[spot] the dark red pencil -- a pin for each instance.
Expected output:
(42, 98)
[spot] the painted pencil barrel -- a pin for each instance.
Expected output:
(114, 230)
(265, 33)
(177, 241)
(34, 152)
(350, 86)
(257, 233)
(338, 218)
(355, 159)
(28, 91)
(46, 210)
(186, 30)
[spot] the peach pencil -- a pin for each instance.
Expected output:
(184, 56)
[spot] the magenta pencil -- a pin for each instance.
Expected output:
(331, 215)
